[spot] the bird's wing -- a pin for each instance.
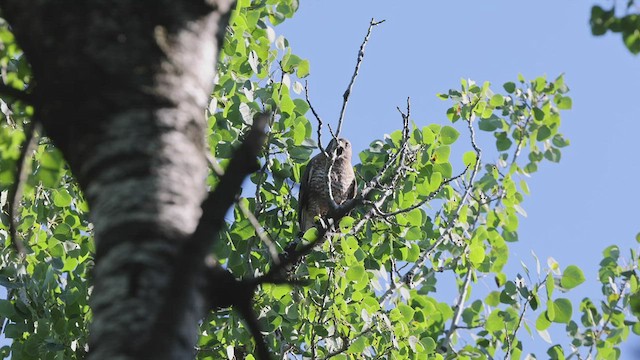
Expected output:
(353, 189)
(303, 196)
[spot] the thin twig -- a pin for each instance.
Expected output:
(260, 231)
(515, 331)
(15, 194)
(320, 313)
(190, 262)
(346, 344)
(459, 307)
(523, 129)
(430, 197)
(598, 334)
(13, 93)
(413, 271)
(347, 93)
(318, 118)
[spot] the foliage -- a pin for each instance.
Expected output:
(439, 212)
(618, 19)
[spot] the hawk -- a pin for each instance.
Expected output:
(314, 193)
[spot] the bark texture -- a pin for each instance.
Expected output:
(120, 87)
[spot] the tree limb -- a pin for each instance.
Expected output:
(15, 193)
(15, 94)
(347, 92)
(190, 263)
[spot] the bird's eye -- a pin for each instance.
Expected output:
(339, 151)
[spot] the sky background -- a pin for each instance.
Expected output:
(577, 207)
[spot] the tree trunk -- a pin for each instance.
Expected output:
(121, 87)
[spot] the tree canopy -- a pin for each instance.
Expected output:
(431, 208)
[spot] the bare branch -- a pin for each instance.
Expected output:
(15, 193)
(413, 271)
(520, 318)
(347, 92)
(15, 94)
(315, 114)
(190, 262)
(459, 307)
(260, 231)
(428, 198)
(346, 343)
(523, 128)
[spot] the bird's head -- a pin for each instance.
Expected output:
(342, 148)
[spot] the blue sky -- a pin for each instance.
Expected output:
(576, 208)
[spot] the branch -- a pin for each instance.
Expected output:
(10, 91)
(507, 356)
(215, 206)
(15, 193)
(428, 198)
(320, 313)
(347, 343)
(523, 129)
(413, 271)
(459, 307)
(599, 333)
(260, 231)
(189, 266)
(315, 114)
(347, 92)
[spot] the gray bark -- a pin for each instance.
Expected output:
(120, 88)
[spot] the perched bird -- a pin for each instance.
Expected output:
(314, 193)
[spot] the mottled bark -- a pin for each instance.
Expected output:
(120, 87)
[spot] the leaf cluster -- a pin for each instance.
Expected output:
(618, 19)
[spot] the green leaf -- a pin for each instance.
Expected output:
(634, 303)
(556, 353)
(476, 254)
(278, 292)
(406, 311)
(551, 311)
(7, 309)
(559, 141)
(563, 310)
(357, 347)
(493, 299)
(448, 135)
(355, 272)
(496, 100)
(429, 345)
(572, 277)
(62, 198)
(632, 40)
(503, 143)
(509, 87)
(428, 137)
(549, 285)
(542, 323)
(303, 69)
(490, 124)
(543, 133)
(563, 102)
(441, 154)
(469, 158)
(494, 322)
(538, 114)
